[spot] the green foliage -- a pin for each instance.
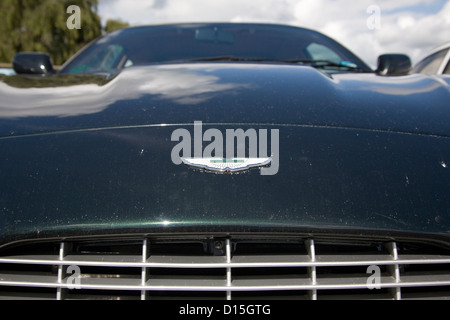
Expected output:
(41, 25)
(55, 81)
(113, 24)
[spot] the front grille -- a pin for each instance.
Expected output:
(225, 269)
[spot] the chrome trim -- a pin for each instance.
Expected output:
(309, 257)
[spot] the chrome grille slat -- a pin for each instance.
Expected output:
(198, 284)
(309, 270)
(20, 280)
(278, 261)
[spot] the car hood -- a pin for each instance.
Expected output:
(224, 93)
(89, 155)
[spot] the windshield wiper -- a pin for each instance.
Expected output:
(327, 63)
(313, 63)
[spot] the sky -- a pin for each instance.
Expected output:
(366, 27)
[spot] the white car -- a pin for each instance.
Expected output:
(7, 71)
(436, 62)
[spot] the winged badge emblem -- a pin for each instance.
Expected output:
(226, 166)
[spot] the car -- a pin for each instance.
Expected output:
(7, 71)
(223, 161)
(436, 62)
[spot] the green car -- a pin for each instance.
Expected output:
(223, 161)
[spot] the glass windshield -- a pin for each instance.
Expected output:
(181, 43)
(431, 64)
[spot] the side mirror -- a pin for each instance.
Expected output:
(33, 63)
(393, 65)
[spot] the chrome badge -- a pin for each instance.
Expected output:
(233, 152)
(226, 166)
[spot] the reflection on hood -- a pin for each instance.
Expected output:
(225, 93)
(75, 95)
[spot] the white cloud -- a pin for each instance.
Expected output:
(407, 26)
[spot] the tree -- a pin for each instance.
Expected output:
(113, 24)
(41, 25)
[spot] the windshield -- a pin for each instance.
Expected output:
(180, 43)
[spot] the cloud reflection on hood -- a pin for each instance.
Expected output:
(46, 97)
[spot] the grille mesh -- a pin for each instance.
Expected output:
(224, 269)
